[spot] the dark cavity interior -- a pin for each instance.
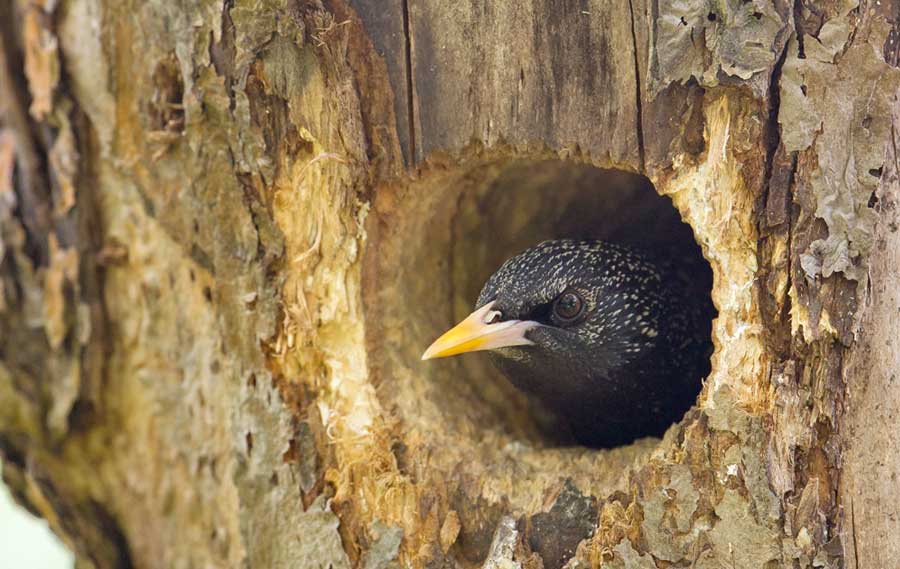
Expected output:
(437, 245)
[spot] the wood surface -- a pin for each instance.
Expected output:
(229, 228)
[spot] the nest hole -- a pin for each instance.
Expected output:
(432, 244)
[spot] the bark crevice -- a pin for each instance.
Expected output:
(639, 99)
(410, 82)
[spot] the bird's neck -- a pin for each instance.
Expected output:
(563, 389)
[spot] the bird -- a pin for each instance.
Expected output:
(612, 340)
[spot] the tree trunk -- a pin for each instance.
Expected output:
(229, 229)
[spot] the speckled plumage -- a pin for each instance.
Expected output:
(632, 366)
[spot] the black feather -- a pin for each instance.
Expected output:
(632, 365)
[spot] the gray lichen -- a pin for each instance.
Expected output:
(319, 540)
(738, 536)
(836, 107)
(383, 552)
(628, 558)
(715, 41)
(668, 525)
(503, 546)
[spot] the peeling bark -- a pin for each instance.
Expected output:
(227, 230)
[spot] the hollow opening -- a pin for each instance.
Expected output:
(432, 245)
(529, 203)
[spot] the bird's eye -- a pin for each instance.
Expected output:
(568, 306)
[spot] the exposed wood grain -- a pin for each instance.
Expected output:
(560, 74)
(385, 23)
(872, 372)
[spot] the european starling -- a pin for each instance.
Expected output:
(611, 341)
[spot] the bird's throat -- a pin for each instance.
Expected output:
(561, 386)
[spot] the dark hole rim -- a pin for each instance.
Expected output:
(487, 177)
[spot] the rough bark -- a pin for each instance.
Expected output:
(229, 228)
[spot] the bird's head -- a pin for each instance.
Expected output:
(558, 316)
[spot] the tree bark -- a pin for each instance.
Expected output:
(228, 229)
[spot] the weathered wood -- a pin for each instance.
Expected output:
(231, 228)
(869, 476)
(386, 24)
(555, 74)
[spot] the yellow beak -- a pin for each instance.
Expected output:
(476, 332)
